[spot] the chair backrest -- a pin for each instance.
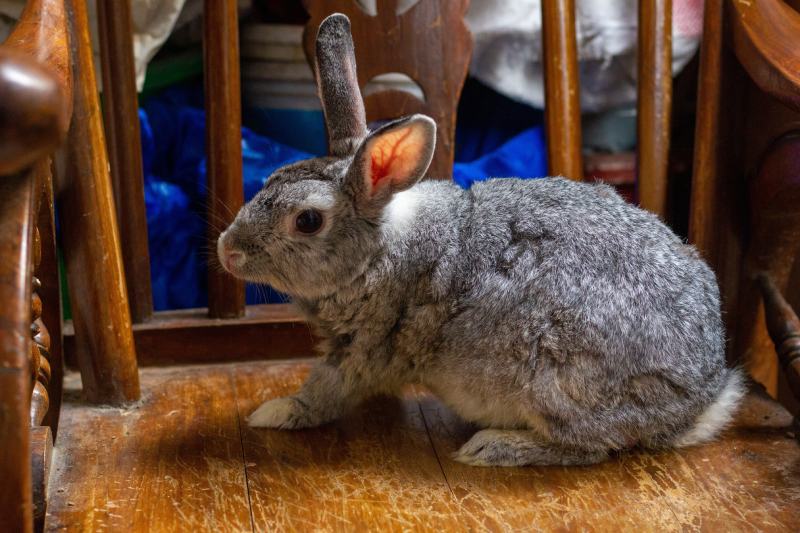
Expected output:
(435, 58)
(562, 106)
(745, 211)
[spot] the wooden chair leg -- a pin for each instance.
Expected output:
(784, 330)
(101, 317)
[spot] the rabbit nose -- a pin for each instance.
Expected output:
(229, 256)
(234, 258)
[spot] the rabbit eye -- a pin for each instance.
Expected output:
(308, 222)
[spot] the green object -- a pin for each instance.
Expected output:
(171, 69)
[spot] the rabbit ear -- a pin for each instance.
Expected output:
(393, 158)
(338, 86)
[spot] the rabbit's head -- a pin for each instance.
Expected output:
(316, 223)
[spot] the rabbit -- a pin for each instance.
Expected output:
(563, 322)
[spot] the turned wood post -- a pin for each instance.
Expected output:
(562, 107)
(99, 298)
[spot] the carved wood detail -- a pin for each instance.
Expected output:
(429, 43)
(784, 330)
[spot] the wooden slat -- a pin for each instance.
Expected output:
(715, 211)
(223, 144)
(654, 103)
(120, 113)
(272, 331)
(173, 463)
(17, 195)
(562, 89)
(91, 243)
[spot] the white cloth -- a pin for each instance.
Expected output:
(507, 47)
(507, 42)
(152, 20)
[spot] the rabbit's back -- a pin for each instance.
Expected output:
(591, 305)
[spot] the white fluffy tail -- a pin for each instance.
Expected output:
(719, 414)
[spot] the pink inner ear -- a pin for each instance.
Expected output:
(392, 157)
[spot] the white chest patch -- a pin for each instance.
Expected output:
(399, 214)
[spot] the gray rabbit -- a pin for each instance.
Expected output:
(564, 321)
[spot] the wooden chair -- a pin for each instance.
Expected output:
(745, 210)
(742, 204)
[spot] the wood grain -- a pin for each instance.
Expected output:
(372, 471)
(30, 109)
(562, 113)
(41, 458)
(91, 243)
(716, 211)
(223, 144)
(172, 462)
(429, 43)
(272, 331)
(654, 86)
(35, 85)
(50, 293)
(784, 330)
(774, 244)
(744, 482)
(764, 38)
(17, 196)
(120, 114)
(183, 459)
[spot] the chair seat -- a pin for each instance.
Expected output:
(184, 459)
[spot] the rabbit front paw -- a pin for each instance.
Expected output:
(283, 413)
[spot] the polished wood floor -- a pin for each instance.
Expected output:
(183, 460)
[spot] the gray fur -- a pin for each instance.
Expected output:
(337, 79)
(564, 320)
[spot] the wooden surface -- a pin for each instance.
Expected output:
(17, 194)
(35, 85)
(50, 294)
(183, 459)
(91, 242)
(717, 214)
(654, 104)
(120, 114)
(223, 145)
(41, 459)
(784, 330)
(40, 335)
(562, 113)
(774, 244)
(272, 331)
(429, 43)
(764, 37)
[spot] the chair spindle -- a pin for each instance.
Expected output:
(120, 114)
(223, 143)
(562, 89)
(654, 103)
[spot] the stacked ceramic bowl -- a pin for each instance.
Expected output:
(279, 95)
